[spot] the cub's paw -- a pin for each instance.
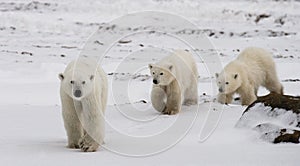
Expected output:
(87, 144)
(222, 99)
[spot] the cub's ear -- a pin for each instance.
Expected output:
(170, 67)
(235, 76)
(217, 75)
(61, 76)
(92, 77)
(150, 66)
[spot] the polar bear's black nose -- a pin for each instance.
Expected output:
(77, 93)
(220, 90)
(154, 81)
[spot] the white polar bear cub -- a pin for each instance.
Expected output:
(83, 92)
(254, 67)
(175, 82)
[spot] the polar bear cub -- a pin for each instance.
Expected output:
(83, 92)
(175, 80)
(254, 67)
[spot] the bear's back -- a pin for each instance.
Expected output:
(255, 55)
(257, 59)
(179, 58)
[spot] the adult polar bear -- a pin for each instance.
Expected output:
(254, 67)
(83, 94)
(175, 82)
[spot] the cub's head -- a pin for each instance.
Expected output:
(77, 85)
(228, 82)
(162, 75)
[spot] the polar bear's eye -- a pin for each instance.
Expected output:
(153, 73)
(83, 82)
(72, 82)
(226, 83)
(161, 74)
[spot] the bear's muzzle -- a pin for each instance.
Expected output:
(77, 93)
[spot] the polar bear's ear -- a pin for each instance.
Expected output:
(92, 77)
(61, 76)
(150, 66)
(235, 76)
(170, 67)
(217, 75)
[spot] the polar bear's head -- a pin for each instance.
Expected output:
(77, 84)
(162, 75)
(228, 82)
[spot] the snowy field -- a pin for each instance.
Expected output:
(38, 38)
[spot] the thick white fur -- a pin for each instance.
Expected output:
(254, 67)
(178, 85)
(84, 117)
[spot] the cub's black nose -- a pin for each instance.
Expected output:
(77, 93)
(154, 81)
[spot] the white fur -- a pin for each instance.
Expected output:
(254, 67)
(84, 116)
(178, 85)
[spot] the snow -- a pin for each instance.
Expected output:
(259, 114)
(38, 38)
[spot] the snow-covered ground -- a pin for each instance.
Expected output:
(38, 39)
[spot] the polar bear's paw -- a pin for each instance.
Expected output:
(73, 146)
(87, 144)
(170, 111)
(190, 102)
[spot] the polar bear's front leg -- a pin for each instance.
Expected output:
(93, 135)
(173, 99)
(173, 104)
(88, 144)
(73, 128)
(158, 97)
(191, 94)
(71, 122)
(248, 95)
(93, 124)
(224, 98)
(221, 98)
